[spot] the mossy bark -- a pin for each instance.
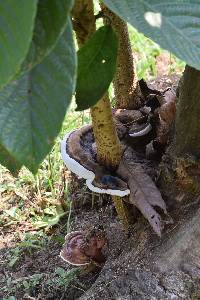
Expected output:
(109, 150)
(126, 87)
(180, 166)
(187, 137)
(83, 20)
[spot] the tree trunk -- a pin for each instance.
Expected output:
(146, 267)
(180, 167)
(187, 139)
(109, 150)
(126, 87)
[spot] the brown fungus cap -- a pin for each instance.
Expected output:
(72, 251)
(81, 248)
(77, 149)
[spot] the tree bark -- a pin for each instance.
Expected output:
(109, 149)
(83, 20)
(144, 267)
(187, 137)
(126, 87)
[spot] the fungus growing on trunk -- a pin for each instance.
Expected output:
(141, 130)
(78, 151)
(84, 248)
(79, 154)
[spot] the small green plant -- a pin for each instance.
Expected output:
(26, 283)
(59, 279)
(51, 216)
(63, 278)
(30, 243)
(38, 61)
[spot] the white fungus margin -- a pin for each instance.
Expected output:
(142, 132)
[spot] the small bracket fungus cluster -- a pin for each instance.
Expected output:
(162, 112)
(84, 248)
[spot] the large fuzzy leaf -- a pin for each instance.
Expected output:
(16, 27)
(96, 67)
(50, 22)
(32, 109)
(175, 25)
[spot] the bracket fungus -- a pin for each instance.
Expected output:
(79, 154)
(141, 130)
(150, 123)
(84, 248)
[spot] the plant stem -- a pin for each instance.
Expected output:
(126, 87)
(109, 150)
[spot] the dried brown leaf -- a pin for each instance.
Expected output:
(143, 193)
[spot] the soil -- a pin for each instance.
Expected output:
(139, 264)
(131, 260)
(43, 262)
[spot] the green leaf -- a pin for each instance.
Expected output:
(32, 109)
(16, 27)
(96, 67)
(8, 161)
(59, 239)
(50, 22)
(175, 25)
(11, 263)
(29, 244)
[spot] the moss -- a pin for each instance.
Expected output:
(188, 174)
(180, 175)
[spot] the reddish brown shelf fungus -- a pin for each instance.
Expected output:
(78, 151)
(83, 248)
